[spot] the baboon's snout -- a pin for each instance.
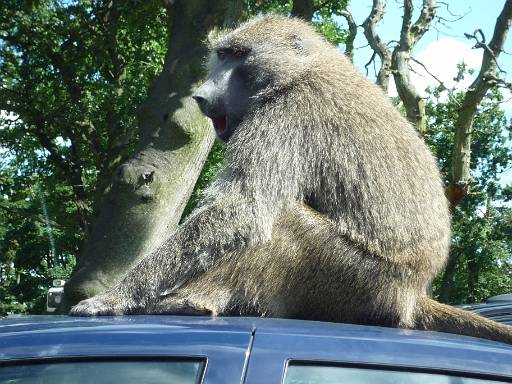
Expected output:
(201, 102)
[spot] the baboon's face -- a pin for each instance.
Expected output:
(225, 96)
(252, 65)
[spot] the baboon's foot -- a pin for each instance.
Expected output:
(96, 306)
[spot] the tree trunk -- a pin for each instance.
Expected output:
(303, 9)
(459, 185)
(410, 34)
(376, 43)
(352, 33)
(150, 190)
(397, 62)
(487, 77)
(446, 287)
(413, 102)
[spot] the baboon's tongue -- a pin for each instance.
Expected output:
(220, 124)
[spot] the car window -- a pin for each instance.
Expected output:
(324, 374)
(103, 372)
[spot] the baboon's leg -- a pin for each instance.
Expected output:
(308, 270)
(204, 294)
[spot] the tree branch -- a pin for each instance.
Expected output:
(422, 25)
(303, 9)
(352, 33)
(461, 156)
(372, 60)
(29, 215)
(68, 75)
(409, 36)
(428, 72)
(479, 37)
(370, 31)
(47, 143)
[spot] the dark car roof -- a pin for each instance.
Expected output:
(505, 298)
(499, 311)
(59, 336)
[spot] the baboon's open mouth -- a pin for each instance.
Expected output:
(220, 124)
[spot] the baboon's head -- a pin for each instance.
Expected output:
(253, 63)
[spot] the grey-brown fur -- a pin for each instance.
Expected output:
(330, 206)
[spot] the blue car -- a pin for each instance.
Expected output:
(169, 349)
(497, 308)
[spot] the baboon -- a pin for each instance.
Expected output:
(330, 206)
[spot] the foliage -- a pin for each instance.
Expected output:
(34, 249)
(72, 74)
(325, 17)
(482, 223)
(210, 169)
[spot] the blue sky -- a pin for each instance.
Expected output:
(440, 50)
(478, 14)
(442, 47)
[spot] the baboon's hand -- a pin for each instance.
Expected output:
(95, 307)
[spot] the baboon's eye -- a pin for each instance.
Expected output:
(223, 53)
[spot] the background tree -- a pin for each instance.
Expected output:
(150, 189)
(71, 77)
(481, 263)
(100, 144)
(471, 247)
(92, 62)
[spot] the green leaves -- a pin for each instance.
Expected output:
(72, 74)
(326, 15)
(481, 223)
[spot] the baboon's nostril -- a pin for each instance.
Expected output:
(198, 99)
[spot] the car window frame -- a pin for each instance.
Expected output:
(396, 368)
(394, 349)
(224, 346)
(109, 358)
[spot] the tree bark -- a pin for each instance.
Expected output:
(397, 61)
(352, 33)
(378, 46)
(303, 9)
(487, 77)
(446, 286)
(409, 36)
(149, 191)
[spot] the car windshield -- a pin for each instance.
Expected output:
(324, 374)
(103, 372)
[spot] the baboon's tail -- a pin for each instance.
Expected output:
(434, 316)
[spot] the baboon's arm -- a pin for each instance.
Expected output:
(211, 232)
